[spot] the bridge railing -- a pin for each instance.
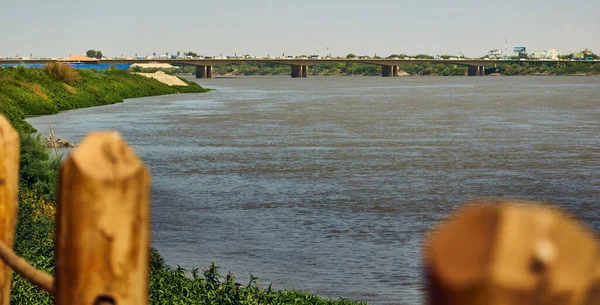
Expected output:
(489, 253)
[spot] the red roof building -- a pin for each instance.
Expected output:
(79, 58)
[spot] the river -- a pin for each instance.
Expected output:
(327, 184)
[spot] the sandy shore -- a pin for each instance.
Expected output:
(164, 78)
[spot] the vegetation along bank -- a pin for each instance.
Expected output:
(421, 69)
(25, 92)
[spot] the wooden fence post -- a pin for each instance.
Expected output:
(102, 225)
(9, 183)
(512, 253)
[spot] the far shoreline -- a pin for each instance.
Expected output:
(227, 76)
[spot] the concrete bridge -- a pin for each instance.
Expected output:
(299, 67)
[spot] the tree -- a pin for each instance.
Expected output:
(350, 56)
(93, 54)
(423, 56)
(154, 54)
(192, 54)
(589, 54)
(178, 53)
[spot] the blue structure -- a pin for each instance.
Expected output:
(74, 65)
(520, 49)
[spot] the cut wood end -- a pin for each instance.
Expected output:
(592, 295)
(512, 245)
(459, 251)
(7, 132)
(105, 156)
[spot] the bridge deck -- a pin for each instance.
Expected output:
(297, 62)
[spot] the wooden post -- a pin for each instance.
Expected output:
(9, 183)
(102, 225)
(592, 296)
(495, 253)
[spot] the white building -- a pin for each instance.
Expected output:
(538, 54)
(153, 65)
(553, 54)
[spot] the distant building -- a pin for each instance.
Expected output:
(546, 54)
(553, 54)
(538, 55)
(79, 59)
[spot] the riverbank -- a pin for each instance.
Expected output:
(25, 92)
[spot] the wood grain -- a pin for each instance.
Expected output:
(512, 252)
(9, 183)
(102, 224)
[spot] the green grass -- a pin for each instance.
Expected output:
(25, 92)
(31, 92)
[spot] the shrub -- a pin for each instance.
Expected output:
(34, 241)
(38, 170)
(63, 72)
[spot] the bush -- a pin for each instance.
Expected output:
(38, 170)
(63, 72)
(178, 286)
(34, 241)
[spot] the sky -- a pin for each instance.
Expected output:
(59, 28)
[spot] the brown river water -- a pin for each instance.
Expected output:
(328, 184)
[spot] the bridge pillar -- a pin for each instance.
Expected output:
(204, 71)
(390, 71)
(296, 71)
(200, 71)
(475, 70)
(299, 71)
(304, 71)
(387, 71)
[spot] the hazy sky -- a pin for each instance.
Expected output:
(57, 28)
